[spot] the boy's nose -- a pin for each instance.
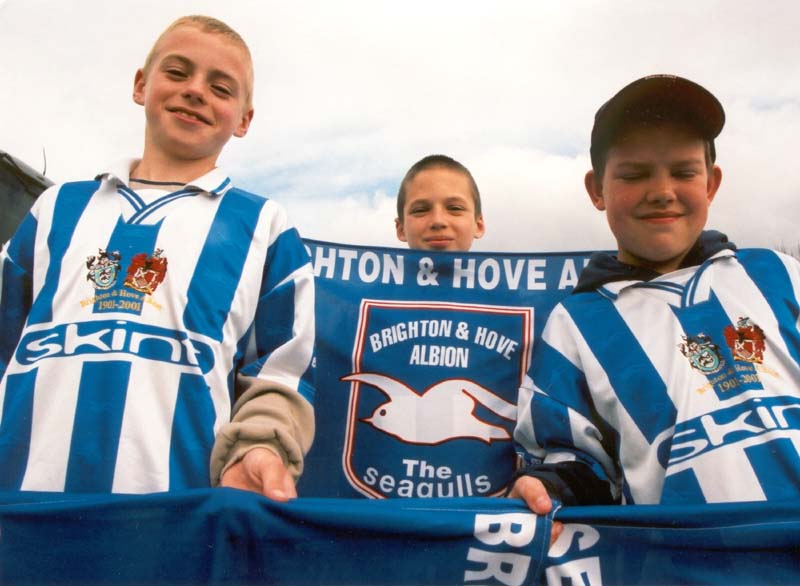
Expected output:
(661, 192)
(194, 90)
(438, 218)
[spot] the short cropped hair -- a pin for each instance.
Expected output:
(431, 162)
(207, 24)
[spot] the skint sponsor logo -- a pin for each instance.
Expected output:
(746, 422)
(115, 336)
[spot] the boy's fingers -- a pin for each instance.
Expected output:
(533, 492)
(234, 477)
(556, 530)
(261, 471)
(276, 482)
(288, 485)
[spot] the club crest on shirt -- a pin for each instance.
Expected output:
(104, 268)
(431, 412)
(703, 353)
(746, 341)
(733, 367)
(146, 272)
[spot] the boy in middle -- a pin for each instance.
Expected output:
(439, 206)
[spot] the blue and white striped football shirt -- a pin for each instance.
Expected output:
(683, 389)
(124, 320)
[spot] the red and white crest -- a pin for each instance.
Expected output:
(746, 341)
(145, 273)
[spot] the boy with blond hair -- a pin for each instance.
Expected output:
(158, 320)
(439, 206)
(670, 374)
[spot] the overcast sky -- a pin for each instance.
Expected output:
(350, 93)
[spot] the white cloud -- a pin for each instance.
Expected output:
(350, 94)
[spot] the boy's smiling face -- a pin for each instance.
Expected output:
(439, 212)
(655, 190)
(195, 94)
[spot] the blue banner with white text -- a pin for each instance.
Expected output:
(419, 359)
(231, 537)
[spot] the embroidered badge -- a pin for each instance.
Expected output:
(103, 268)
(702, 352)
(746, 341)
(145, 273)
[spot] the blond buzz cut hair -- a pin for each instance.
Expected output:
(207, 24)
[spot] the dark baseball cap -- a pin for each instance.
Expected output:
(658, 98)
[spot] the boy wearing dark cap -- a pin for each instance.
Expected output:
(670, 374)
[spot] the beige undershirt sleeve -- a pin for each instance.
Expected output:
(265, 415)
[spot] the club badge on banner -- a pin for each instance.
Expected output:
(433, 390)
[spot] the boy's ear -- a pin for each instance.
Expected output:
(401, 232)
(138, 87)
(244, 123)
(714, 181)
(595, 190)
(480, 228)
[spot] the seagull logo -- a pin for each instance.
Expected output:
(443, 412)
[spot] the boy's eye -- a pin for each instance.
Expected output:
(630, 177)
(176, 73)
(221, 89)
(419, 208)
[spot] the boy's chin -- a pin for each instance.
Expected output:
(661, 263)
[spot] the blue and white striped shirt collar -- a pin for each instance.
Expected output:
(215, 182)
(613, 289)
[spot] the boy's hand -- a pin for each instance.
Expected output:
(262, 471)
(533, 492)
